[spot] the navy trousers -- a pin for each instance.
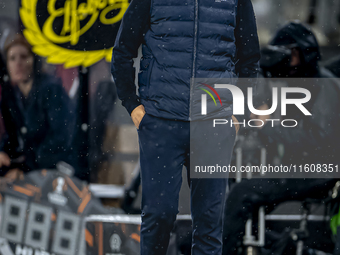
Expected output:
(164, 149)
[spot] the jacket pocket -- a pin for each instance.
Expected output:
(144, 77)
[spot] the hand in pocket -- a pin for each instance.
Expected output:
(137, 115)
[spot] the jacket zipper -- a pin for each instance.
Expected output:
(194, 57)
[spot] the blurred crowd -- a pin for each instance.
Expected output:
(42, 117)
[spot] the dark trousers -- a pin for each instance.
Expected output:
(164, 149)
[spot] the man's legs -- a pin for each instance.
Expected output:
(207, 203)
(212, 146)
(163, 147)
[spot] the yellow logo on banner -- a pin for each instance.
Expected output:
(45, 40)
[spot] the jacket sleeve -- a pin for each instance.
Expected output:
(130, 36)
(247, 49)
(247, 41)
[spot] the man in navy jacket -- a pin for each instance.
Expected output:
(181, 40)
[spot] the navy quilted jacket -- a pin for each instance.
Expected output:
(183, 39)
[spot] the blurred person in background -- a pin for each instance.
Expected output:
(316, 138)
(37, 112)
(294, 53)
